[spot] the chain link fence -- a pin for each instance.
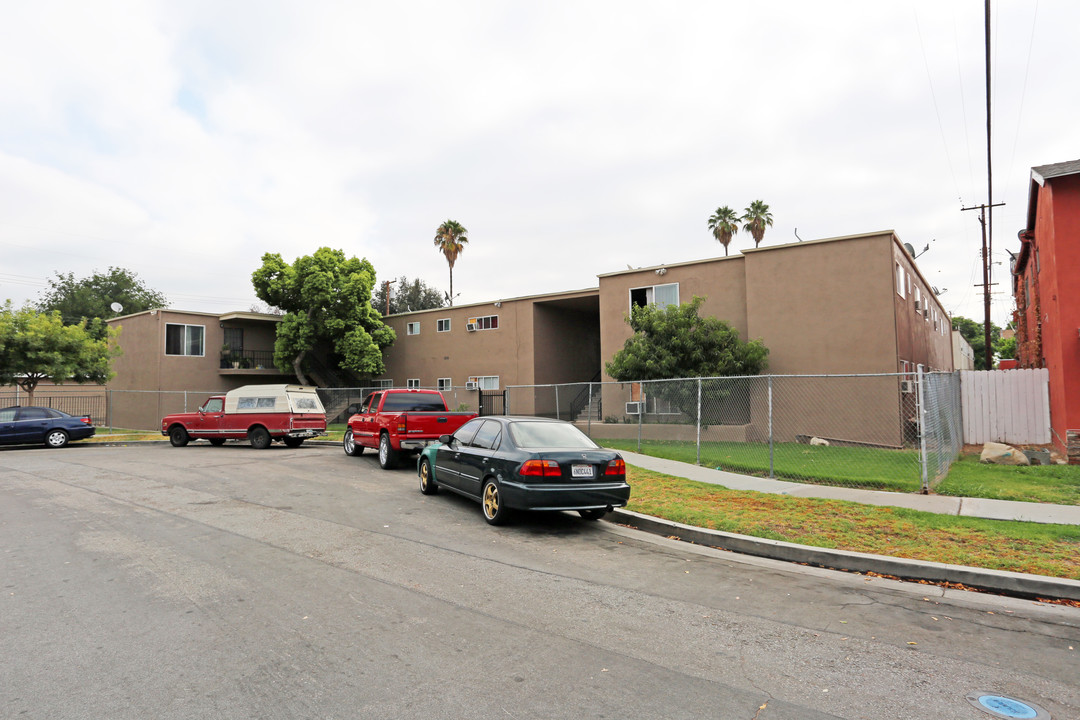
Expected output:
(898, 432)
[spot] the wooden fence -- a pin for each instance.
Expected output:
(1009, 406)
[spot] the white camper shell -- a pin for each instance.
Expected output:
(297, 399)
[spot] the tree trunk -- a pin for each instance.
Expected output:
(451, 286)
(299, 372)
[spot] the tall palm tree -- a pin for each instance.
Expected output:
(756, 218)
(450, 239)
(724, 224)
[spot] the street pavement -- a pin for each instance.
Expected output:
(229, 582)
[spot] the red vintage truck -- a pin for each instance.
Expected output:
(260, 413)
(400, 421)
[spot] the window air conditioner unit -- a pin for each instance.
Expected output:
(471, 386)
(907, 386)
(470, 327)
(917, 306)
(633, 408)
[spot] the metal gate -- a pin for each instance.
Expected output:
(492, 402)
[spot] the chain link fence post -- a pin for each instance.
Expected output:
(698, 421)
(921, 401)
(772, 459)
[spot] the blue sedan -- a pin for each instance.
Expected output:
(36, 425)
(525, 463)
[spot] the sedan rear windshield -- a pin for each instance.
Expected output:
(535, 435)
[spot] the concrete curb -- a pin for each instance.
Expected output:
(1007, 583)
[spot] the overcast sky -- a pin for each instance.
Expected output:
(182, 140)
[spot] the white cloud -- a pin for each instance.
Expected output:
(184, 140)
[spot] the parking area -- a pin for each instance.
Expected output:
(233, 582)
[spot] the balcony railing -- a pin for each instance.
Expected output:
(248, 360)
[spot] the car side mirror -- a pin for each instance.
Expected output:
(445, 439)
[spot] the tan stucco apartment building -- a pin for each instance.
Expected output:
(853, 304)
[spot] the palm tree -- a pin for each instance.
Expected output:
(450, 239)
(757, 217)
(724, 224)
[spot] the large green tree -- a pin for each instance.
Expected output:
(450, 238)
(724, 224)
(93, 296)
(37, 346)
(975, 334)
(327, 302)
(404, 295)
(676, 342)
(756, 218)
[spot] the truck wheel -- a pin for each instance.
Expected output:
(259, 438)
(387, 454)
(293, 442)
(178, 436)
(428, 486)
(351, 447)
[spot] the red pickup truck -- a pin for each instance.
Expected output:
(400, 421)
(260, 413)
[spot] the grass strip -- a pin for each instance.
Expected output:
(1050, 550)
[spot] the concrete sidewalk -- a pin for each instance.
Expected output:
(1010, 583)
(942, 504)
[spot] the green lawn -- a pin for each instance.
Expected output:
(894, 470)
(1052, 550)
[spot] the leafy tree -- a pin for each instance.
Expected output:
(450, 239)
(974, 333)
(92, 297)
(1005, 348)
(39, 346)
(675, 342)
(327, 300)
(757, 217)
(403, 295)
(724, 225)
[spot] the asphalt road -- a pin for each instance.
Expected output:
(160, 582)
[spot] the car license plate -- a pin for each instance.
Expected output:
(581, 471)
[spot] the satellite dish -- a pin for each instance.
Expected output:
(910, 250)
(116, 307)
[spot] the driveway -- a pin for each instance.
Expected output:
(165, 582)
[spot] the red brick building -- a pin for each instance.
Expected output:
(1046, 287)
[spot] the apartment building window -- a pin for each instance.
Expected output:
(442, 325)
(383, 384)
(899, 280)
(446, 384)
(184, 339)
(412, 328)
(413, 383)
(486, 382)
(488, 322)
(658, 295)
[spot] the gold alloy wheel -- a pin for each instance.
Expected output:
(491, 500)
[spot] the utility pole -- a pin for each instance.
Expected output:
(986, 279)
(386, 286)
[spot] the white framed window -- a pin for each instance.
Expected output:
(658, 295)
(383, 384)
(412, 383)
(446, 384)
(442, 325)
(184, 339)
(412, 328)
(487, 322)
(899, 280)
(485, 382)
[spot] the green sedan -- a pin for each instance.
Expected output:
(525, 463)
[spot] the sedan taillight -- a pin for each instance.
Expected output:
(86, 421)
(616, 467)
(540, 468)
